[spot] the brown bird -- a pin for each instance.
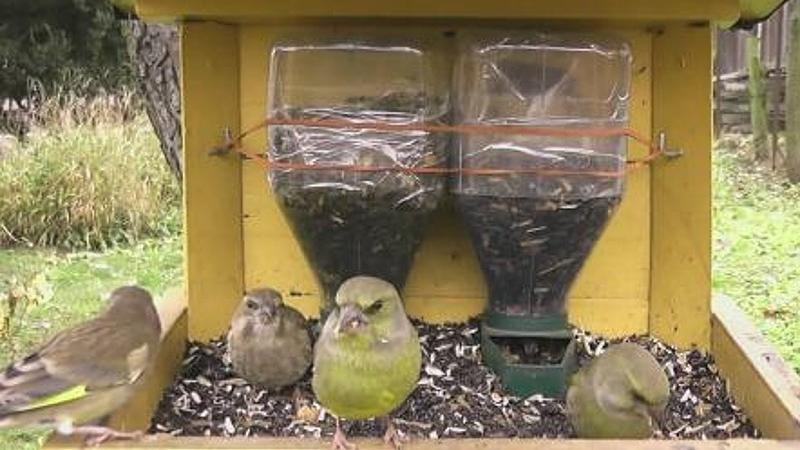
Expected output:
(268, 342)
(86, 372)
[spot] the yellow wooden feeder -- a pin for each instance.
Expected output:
(650, 272)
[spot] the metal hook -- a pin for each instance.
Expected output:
(662, 147)
(227, 143)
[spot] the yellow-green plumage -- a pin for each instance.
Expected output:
(618, 395)
(364, 370)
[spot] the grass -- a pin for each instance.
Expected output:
(756, 258)
(69, 287)
(89, 175)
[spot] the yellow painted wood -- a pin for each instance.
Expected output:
(762, 383)
(212, 184)
(680, 290)
(458, 444)
(445, 282)
(611, 293)
(136, 414)
(271, 254)
(254, 10)
(611, 317)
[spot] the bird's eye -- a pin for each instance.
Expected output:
(374, 307)
(251, 304)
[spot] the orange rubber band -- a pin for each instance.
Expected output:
(654, 152)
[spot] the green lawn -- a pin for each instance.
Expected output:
(65, 288)
(757, 246)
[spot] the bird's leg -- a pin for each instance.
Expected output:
(96, 435)
(340, 441)
(392, 437)
(297, 399)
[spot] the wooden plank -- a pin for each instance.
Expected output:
(762, 383)
(610, 317)
(253, 10)
(680, 290)
(212, 184)
(454, 444)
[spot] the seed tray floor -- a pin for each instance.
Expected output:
(456, 397)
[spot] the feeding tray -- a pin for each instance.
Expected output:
(459, 402)
(530, 362)
(457, 397)
(649, 272)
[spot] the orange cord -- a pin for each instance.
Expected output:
(654, 152)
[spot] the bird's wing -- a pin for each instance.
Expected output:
(647, 379)
(97, 355)
(291, 320)
(611, 387)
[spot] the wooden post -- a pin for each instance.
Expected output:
(758, 98)
(212, 184)
(793, 98)
(680, 281)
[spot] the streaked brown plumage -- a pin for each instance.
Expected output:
(268, 342)
(85, 372)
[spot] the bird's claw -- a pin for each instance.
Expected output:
(340, 441)
(392, 436)
(96, 435)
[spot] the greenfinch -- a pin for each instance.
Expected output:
(620, 394)
(85, 372)
(268, 342)
(367, 358)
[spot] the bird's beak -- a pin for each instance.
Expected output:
(351, 318)
(269, 312)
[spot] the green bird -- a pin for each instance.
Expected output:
(619, 395)
(85, 372)
(268, 341)
(367, 359)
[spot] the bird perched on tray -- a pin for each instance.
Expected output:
(620, 394)
(268, 342)
(367, 358)
(85, 372)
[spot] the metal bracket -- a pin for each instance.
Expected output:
(667, 152)
(227, 143)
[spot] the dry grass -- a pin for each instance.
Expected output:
(88, 175)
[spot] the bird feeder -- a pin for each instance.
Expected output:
(368, 221)
(534, 226)
(648, 272)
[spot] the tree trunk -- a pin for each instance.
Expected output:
(758, 97)
(155, 53)
(793, 98)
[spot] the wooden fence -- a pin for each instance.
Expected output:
(731, 98)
